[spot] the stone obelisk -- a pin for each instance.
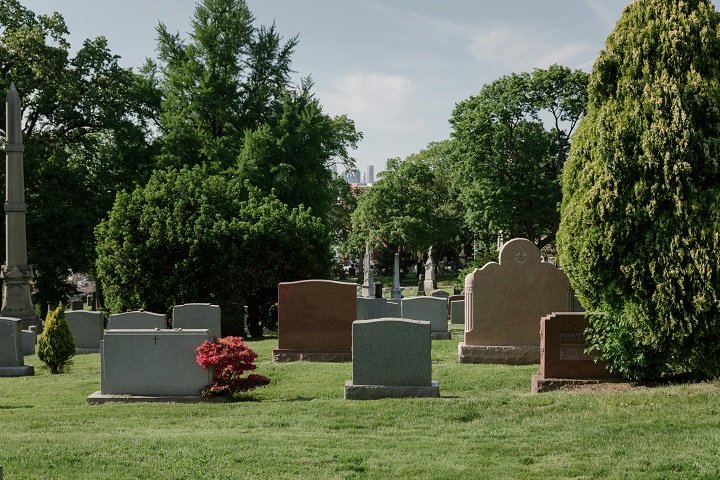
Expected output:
(368, 287)
(396, 290)
(15, 272)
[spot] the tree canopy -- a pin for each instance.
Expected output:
(507, 163)
(86, 128)
(640, 231)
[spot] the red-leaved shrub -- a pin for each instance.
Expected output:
(231, 358)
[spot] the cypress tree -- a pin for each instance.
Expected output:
(640, 216)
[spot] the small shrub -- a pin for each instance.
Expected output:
(56, 345)
(231, 357)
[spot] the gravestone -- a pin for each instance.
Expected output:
(396, 290)
(151, 365)
(457, 312)
(504, 302)
(368, 285)
(29, 340)
(77, 305)
(563, 361)
(429, 309)
(87, 329)
(369, 308)
(429, 283)
(197, 316)
(391, 358)
(440, 294)
(315, 321)
(393, 308)
(452, 298)
(12, 361)
(137, 320)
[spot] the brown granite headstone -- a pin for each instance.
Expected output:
(315, 321)
(504, 302)
(563, 360)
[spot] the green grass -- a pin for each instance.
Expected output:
(486, 425)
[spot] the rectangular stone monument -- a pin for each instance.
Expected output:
(137, 320)
(151, 365)
(451, 299)
(77, 305)
(12, 361)
(369, 308)
(198, 315)
(391, 358)
(430, 309)
(393, 309)
(504, 302)
(315, 321)
(87, 329)
(563, 361)
(29, 340)
(457, 312)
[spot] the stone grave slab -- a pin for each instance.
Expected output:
(457, 312)
(87, 329)
(315, 321)
(391, 358)
(369, 308)
(430, 309)
(29, 340)
(504, 303)
(157, 364)
(198, 316)
(12, 361)
(137, 320)
(563, 361)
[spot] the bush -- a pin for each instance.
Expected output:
(56, 345)
(231, 358)
(640, 230)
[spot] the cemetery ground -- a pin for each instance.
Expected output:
(485, 425)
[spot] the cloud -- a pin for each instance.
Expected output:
(374, 100)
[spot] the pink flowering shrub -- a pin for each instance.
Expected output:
(231, 358)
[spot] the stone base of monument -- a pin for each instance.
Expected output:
(374, 392)
(98, 398)
(500, 354)
(440, 335)
(538, 384)
(285, 355)
(21, 371)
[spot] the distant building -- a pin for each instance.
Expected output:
(370, 174)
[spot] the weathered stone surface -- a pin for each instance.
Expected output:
(457, 312)
(198, 316)
(391, 351)
(137, 320)
(368, 308)
(11, 351)
(375, 392)
(431, 309)
(562, 348)
(504, 303)
(315, 317)
(153, 362)
(29, 340)
(87, 329)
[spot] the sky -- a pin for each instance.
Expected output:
(397, 68)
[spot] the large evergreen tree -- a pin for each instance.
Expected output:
(640, 231)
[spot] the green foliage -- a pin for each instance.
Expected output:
(85, 129)
(411, 205)
(188, 236)
(640, 232)
(56, 345)
(507, 162)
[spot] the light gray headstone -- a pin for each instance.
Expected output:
(87, 329)
(393, 309)
(153, 362)
(137, 320)
(431, 309)
(11, 353)
(391, 351)
(457, 312)
(29, 340)
(369, 308)
(197, 315)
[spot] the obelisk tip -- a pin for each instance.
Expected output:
(13, 114)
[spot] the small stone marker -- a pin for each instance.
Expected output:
(137, 320)
(87, 329)
(77, 305)
(315, 321)
(430, 309)
(29, 340)
(504, 302)
(451, 299)
(457, 312)
(391, 358)
(12, 361)
(440, 294)
(198, 316)
(369, 308)
(563, 361)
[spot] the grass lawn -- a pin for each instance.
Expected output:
(486, 425)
